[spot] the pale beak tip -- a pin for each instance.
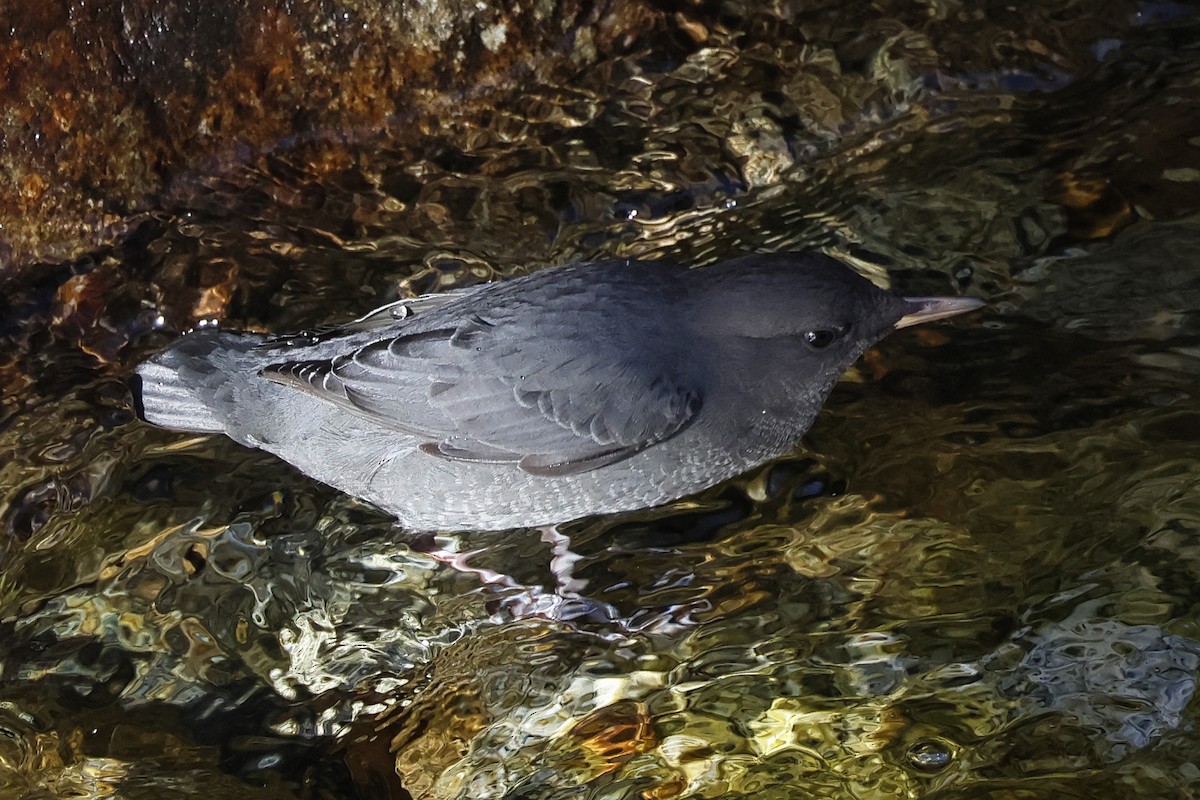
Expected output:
(928, 309)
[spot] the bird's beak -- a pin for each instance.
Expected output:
(927, 309)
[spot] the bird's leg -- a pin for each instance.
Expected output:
(561, 604)
(562, 562)
(569, 601)
(458, 562)
(565, 602)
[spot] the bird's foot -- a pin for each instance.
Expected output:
(562, 562)
(518, 600)
(565, 603)
(535, 602)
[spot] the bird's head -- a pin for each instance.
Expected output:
(805, 315)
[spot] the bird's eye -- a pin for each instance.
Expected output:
(820, 339)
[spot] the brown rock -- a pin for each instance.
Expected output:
(105, 103)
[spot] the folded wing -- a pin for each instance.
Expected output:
(554, 389)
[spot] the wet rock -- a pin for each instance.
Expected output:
(105, 104)
(116, 111)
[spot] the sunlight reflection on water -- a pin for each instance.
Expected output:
(977, 577)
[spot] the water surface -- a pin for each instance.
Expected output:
(975, 578)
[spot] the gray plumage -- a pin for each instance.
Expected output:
(593, 388)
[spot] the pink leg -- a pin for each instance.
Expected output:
(458, 562)
(566, 602)
(563, 561)
(562, 604)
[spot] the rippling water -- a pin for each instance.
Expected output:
(976, 578)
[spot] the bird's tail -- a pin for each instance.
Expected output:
(190, 386)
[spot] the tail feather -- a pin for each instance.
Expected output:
(190, 386)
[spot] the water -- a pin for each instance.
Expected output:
(976, 578)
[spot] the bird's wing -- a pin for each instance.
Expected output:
(503, 386)
(383, 317)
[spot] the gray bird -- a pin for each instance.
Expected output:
(588, 389)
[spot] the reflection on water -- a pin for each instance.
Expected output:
(976, 579)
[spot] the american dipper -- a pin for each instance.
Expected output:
(588, 389)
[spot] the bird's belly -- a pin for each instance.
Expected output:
(430, 493)
(426, 492)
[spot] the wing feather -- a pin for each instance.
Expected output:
(550, 383)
